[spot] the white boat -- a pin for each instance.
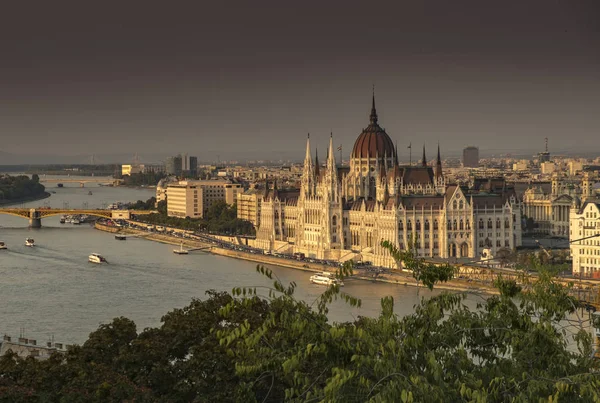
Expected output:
(325, 278)
(3, 245)
(63, 219)
(75, 221)
(96, 258)
(29, 242)
(180, 251)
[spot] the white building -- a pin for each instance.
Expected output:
(345, 213)
(585, 223)
(193, 198)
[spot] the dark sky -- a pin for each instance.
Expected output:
(253, 77)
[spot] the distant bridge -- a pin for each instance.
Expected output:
(35, 215)
(82, 182)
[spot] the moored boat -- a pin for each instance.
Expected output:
(325, 278)
(120, 237)
(180, 251)
(29, 242)
(63, 219)
(96, 258)
(2, 245)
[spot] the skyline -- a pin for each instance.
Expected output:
(240, 79)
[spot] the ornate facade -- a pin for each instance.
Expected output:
(342, 213)
(551, 211)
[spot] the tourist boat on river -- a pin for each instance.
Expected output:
(325, 278)
(96, 258)
(120, 237)
(180, 251)
(63, 219)
(29, 242)
(2, 245)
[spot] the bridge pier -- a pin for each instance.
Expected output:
(35, 220)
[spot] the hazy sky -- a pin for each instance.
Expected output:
(253, 77)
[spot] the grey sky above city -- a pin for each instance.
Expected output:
(251, 79)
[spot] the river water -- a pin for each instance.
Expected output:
(52, 290)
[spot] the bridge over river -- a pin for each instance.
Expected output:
(83, 181)
(35, 215)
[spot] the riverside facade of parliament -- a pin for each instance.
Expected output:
(343, 213)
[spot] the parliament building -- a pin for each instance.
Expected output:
(343, 213)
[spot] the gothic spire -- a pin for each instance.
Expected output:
(373, 116)
(424, 161)
(317, 162)
(308, 157)
(330, 152)
(438, 164)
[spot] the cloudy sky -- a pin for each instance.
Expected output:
(251, 78)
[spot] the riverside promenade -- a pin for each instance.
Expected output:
(391, 276)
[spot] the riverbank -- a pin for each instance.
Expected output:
(387, 276)
(24, 200)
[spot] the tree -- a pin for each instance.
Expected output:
(423, 272)
(260, 344)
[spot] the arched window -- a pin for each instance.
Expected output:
(418, 225)
(481, 243)
(498, 244)
(409, 225)
(506, 243)
(481, 223)
(498, 223)
(454, 226)
(461, 205)
(426, 225)
(488, 242)
(454, 205)
(490, 224)
(435, 224)
(400, 225)
(334, 221)
(506, 223)
(461, 225)
(276, 214)
(449, 225)
(468, 225)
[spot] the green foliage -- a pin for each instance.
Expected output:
(260, 344)
(15, 188)
(220, 218)
(423, 272)
(143, 205)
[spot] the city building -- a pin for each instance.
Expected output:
(345, 213)
(248, 205)
(193, 167)
(550, 212)
(193, 198)
(174, 166)
(585, 245)
(131, 169)
(471, 157)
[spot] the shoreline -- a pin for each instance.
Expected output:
(398, 278)
(25, 200)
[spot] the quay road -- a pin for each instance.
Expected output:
(470, 277)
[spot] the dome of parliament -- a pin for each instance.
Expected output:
(373, 142)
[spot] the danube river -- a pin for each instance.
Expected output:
(51, 289)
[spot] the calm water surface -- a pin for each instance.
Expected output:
(51, 289)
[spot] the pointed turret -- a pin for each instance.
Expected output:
(424, 160)
(330, 152)
(317, 168)
(373, 116)
(438, 165)
(308, 157)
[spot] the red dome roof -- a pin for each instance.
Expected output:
(373, 142)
